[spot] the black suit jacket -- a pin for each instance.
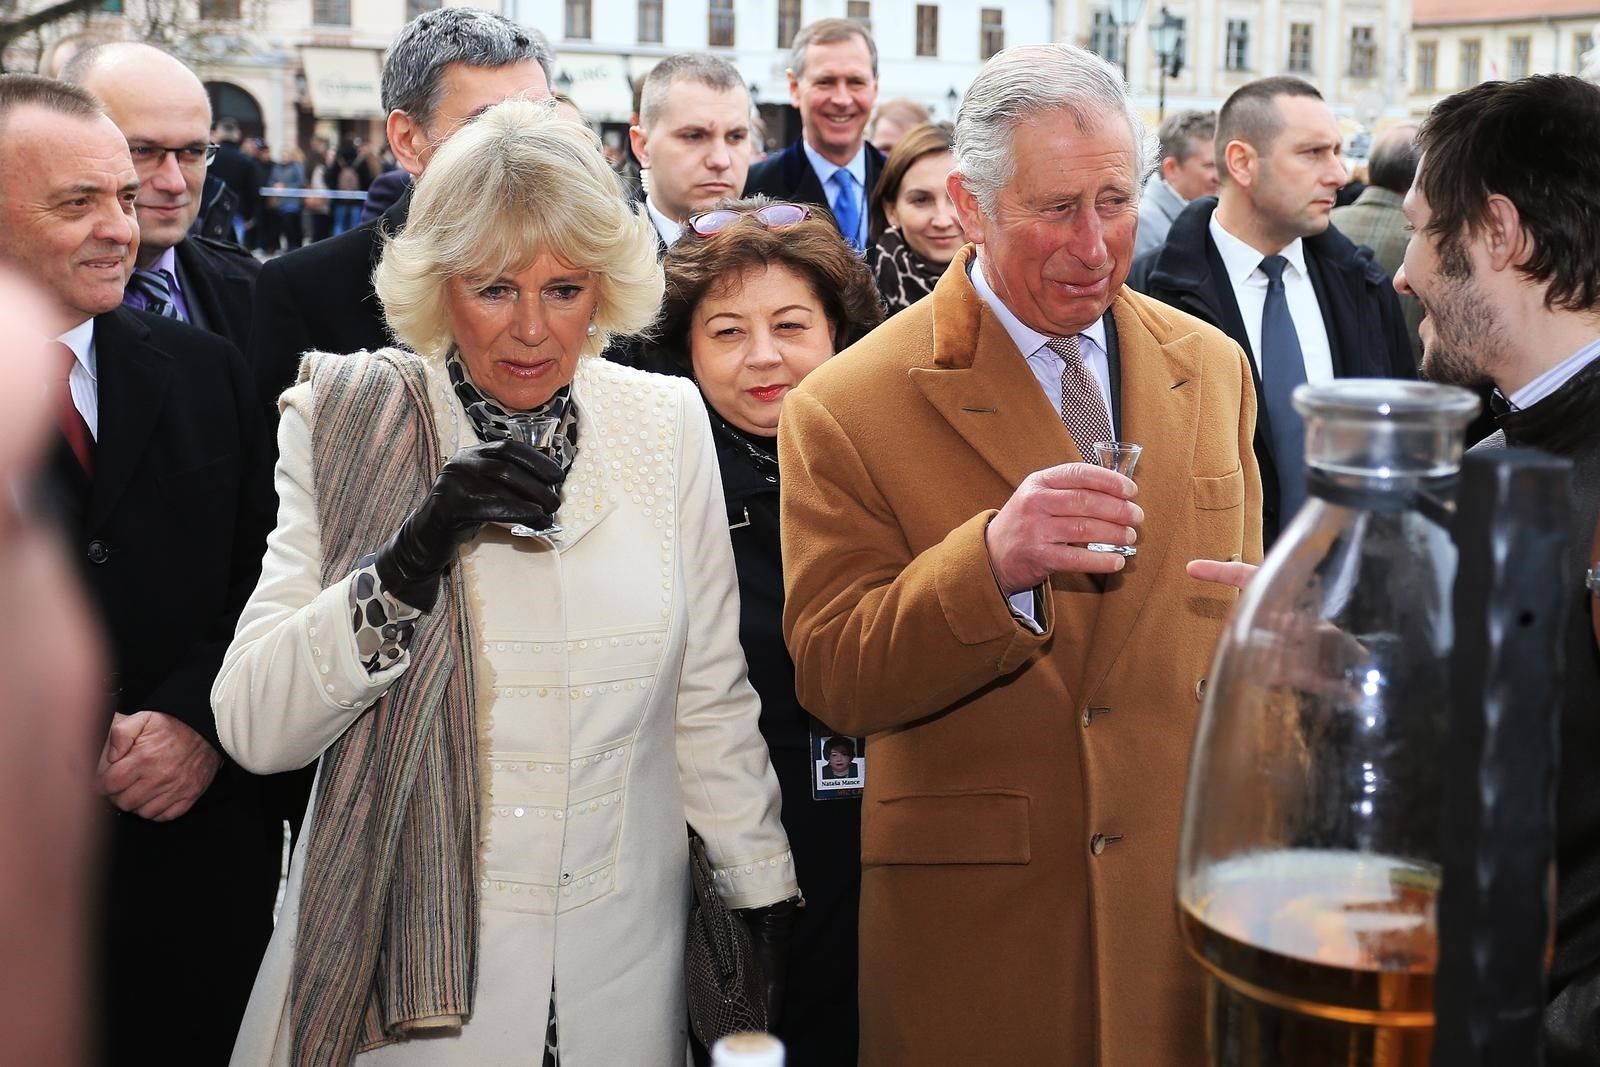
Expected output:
(789, 176)
(1360, 310)
(319, 298)
(218, 280)
(169, 535)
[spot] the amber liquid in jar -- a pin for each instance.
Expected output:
(1316, 959)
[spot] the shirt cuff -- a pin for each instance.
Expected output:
(1024, 605)
(384, 625)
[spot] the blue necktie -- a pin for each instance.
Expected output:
(1283, 367)
(845, 209)
(153, 286)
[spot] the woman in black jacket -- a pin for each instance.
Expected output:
(758, 295)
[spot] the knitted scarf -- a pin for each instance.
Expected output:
(388, 928)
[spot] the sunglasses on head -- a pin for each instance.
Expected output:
(772, 216)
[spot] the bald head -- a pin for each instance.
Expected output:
(1393, 163)
(158, 103)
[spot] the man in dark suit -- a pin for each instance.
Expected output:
(833, 81)
(162, 484)
(238, 172)
(1261, 262)
(163, 111)
(444, 68)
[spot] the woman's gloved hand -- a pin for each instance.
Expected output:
(501, 481)
(770, 930)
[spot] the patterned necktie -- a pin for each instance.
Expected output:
(1083, 410)
(68, 417)
(1283, 367)
(845, 209)
(156, 290)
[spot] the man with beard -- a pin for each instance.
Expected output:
(1506, 262)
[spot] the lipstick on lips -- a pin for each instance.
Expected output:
(765, 393)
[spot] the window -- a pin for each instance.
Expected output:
(1237, 53)
(1582, 45)
(1517, 66)
(649, 21)
(1105, 39)
(788, 22)
(219, 9)
(860, 11)
(417, 7)
(1300, 44)
(992, 32)
(1363, 52)
(719, 32)
(1427, 65)
(1471, 54)
(330, 12)
(927, 30)
(580, 16)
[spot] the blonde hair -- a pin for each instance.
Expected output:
(517, 181)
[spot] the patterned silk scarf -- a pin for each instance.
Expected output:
(491, 422)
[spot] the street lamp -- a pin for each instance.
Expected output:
(953, 100)
(1164, 41)
(1124, 13)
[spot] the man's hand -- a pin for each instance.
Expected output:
(155, 765)
(1043, 527)
(1235, 574)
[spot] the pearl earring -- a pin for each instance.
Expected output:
(593, 329)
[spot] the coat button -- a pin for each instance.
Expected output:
(1098, 843)
(1200, 689)
(98, 552)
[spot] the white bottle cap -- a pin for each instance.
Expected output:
(747, 1050)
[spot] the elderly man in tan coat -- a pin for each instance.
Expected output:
(1030, 702)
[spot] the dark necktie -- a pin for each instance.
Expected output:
(1083, 410)
(845, 209)
(156, 290)
(1283, 367)
(68, 418)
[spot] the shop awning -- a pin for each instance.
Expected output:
(342, 83)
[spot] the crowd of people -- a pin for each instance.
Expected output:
(500, 543)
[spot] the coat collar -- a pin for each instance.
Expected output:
(134, 378)
(979, 383)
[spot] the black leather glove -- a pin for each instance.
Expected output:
(770, 930)
(502, 481)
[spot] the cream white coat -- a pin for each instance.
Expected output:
(620, 710)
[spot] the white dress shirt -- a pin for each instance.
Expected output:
(1555, 377)
(1047, 366)
(84, 381)
(1250, 292)
(670, 231)
(857, 167)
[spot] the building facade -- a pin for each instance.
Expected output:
(1353, 50)
(1457, 43)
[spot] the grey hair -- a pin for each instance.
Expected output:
(829, 31)
(710, 71)
(413, 71)
(1180, 131)
(1022, 83)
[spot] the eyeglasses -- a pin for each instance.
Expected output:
(189, 156)
(772, 216)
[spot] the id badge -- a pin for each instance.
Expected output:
(839, 764)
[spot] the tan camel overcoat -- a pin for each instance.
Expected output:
(1020, 825)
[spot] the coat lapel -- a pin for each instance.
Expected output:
(1160, 406)
(134, 378)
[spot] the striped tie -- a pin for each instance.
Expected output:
(153, 286)
(1083, 410)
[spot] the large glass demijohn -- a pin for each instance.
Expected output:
(1309, 867)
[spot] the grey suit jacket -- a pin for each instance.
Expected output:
(1159, 205)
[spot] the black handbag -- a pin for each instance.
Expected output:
(722, 973)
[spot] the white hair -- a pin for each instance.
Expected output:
(1020, 84)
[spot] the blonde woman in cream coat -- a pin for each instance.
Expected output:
(609, 700)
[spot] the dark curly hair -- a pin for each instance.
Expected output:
(812, 249)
